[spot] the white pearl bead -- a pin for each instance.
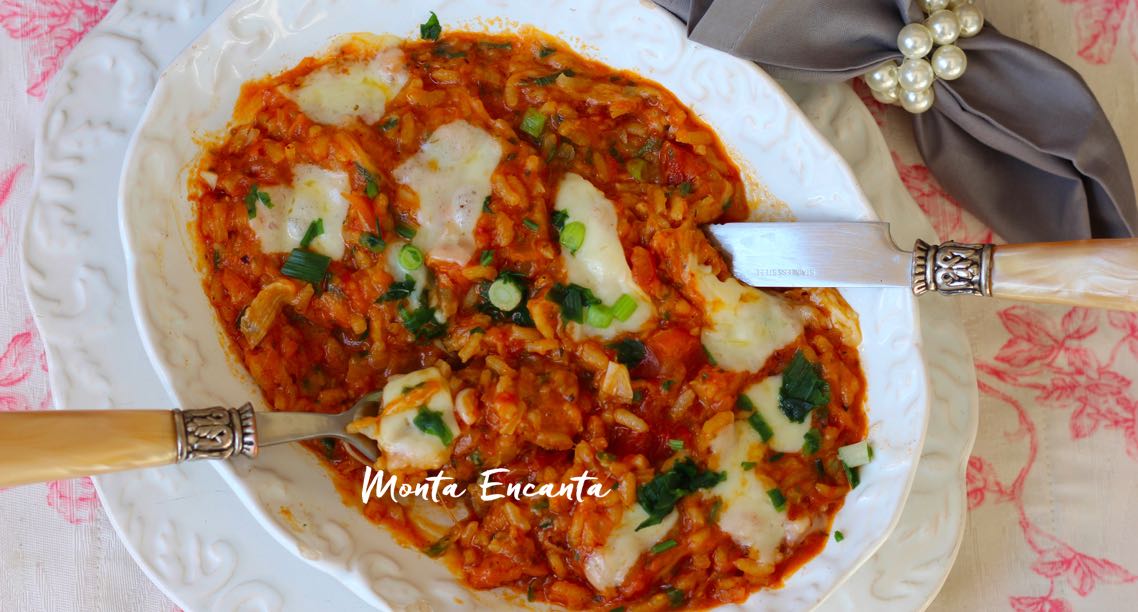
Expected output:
(971, 20)
(883, 77)
(949, 62)
(915, 74)
(915, 40)
(885, 97)
(944, 26)
(917, 102)
(932, 6)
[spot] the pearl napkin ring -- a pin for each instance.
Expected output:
(910, 84)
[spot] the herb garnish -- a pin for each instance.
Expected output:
(803, 389)
(629, 351)
(811, 442)
(431, 422)
(251, 199)
(371, 184)
(306, 266)
(572, 299)
(431, 29)
(315, 229)
(760, 425)
(398, 290)
(659, 496)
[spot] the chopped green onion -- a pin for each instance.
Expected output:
(486, 258)
(667, 384)
(550, 79)
(531, 594)
(623, 308)
(855, 455)
(306, 266)
(572, 299)
(431, 29)
(398, 290)
(389, 124)
(710, 358)
(475, 457)
(598, 316)
(405, 230)
(557, 219)
(803, 388)
(486, 205)
(649, 145)
(253, 197)
(546, 52)
(662, 546)
(713, 513)
(676, 597)
(775, 457)
(438, 548)
(315, 228)
(486, 44)
(371, 186)
(839, 536)
(676, 445)
(686, 188)
(811, 442)
(760, 425)
(573, 236)
(410, 257)
(851, 475)
(636, 168)
(216, 258)
(618, 609)
(629, 351)
(530, 224)
(659, 496)
(637, 396)
(431, 423)
(744, 403)
(748, 465)
(533, 122)
(421, 322)
(329, 445)
(603, 456)
(504, 294)
(372, 242)
(444, 50)
(777, 499)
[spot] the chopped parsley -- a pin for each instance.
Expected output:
(431, 423)
(659, 496)
(803, 389)
(839, 536)
(431, 29)
(629, 351)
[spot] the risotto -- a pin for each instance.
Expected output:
(503, 237)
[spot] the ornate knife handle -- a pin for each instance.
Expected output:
(60, 444)
(1091, 273)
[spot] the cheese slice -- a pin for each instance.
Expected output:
(748, 515)
(340, 91)
(788, 436)
(451, 175)
(744, 326)
(315, 193)
(403, 444)
(599, 264)
(607, 567)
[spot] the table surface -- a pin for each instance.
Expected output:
(1048, 482)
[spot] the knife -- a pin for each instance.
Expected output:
(1092, 273)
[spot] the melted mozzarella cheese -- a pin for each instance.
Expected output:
(745, 326)
(599, 264)
(315, 193)
(748, 514)
(788, 436)
(607, 567)
(451, 175)
(404, 445)
(337, 92)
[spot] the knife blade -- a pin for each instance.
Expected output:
(819, 254)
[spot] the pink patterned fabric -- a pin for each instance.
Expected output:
(1049, 484)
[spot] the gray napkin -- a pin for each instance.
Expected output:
(1019, 140)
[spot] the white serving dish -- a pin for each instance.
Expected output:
(763, 129)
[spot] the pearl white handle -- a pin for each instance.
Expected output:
(1091, 273)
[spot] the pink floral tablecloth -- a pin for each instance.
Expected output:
(1053, 481)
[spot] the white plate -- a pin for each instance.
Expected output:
(763, 128)
(180, 523)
